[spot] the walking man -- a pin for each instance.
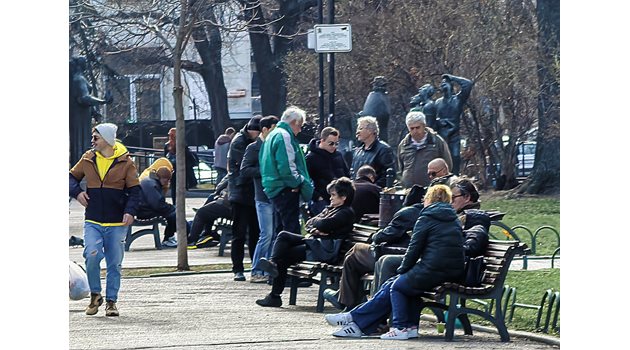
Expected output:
(110, 202)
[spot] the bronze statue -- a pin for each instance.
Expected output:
(422, 102)
(449, 110)
(83, 106)
(377, 105)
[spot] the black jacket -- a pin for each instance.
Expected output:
(367, 197)
(153, 202)
(240, 188)
(380, 156)
(250, 168)
(323, 167)
(395, 233)
(338, 224)
(435, 254)
(476, 227)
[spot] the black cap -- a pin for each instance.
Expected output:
(254, 123)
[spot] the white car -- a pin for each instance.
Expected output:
(525, 158)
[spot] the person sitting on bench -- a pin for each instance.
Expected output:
(327, 232)
(435, 255)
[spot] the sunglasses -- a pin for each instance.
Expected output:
(332, 143)
(434, 173)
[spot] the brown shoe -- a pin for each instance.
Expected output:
(110, 308)
(96, 300)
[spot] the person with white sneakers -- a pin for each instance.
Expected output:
(435, 255)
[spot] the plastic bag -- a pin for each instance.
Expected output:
(79, 287)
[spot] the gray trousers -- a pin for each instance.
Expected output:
(385, 268)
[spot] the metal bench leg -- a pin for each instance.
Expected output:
(156, 236)
(452, 315)
(500, 321)
(294, 289)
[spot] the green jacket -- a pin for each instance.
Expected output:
(282, 163)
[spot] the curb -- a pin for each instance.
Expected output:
(531, 336)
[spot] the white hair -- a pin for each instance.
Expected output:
(414, 117)
(370, 123)
(293, 113)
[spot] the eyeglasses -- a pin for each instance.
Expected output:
(332, 143)
(455, 196)
(434, 173)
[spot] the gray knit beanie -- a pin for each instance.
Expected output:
(108, 132)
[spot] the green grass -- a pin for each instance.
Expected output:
(532, 212)
(530, 287)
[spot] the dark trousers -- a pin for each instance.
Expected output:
(244, 223)
(205, 217)
(359, 260)
(288, 249)
(287, 207)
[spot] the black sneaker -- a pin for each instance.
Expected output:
(76, 241)
(268, 266)
(270, 301)
(239, 276)
(207, 242)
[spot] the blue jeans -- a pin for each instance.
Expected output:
(264, 211)
(392, 298)
(104, 242)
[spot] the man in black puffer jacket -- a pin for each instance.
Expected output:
(324, 164)
(241, 196)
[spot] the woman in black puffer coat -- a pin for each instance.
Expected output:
(435, 255)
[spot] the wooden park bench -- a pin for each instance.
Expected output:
(322, 274)
(497, 259)
(154, 230)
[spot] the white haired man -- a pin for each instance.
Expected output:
(373, 152)
(283, 169)
(417, 149)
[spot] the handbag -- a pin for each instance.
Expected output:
(323, 250)
(474, 271)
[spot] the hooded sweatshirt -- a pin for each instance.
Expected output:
(112, 185)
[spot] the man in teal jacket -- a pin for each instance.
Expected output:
(283, 169)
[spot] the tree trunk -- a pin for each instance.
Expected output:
(269, 62)
(545, 177)
(180, 193)
(208, 45)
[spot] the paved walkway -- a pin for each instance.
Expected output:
(201, 311)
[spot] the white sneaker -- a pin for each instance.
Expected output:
(396, 334)
(351, 330)
(171, 242)
(412, 332)
(341, 319)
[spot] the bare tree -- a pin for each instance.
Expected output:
(271, 33)
(414, 42)
(545, 177)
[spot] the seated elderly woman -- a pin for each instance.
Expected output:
(326, 233)
(435, 255)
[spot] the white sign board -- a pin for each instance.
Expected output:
(333, 38)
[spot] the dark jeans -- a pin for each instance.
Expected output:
(288, 249)
(244, 223)
(287, 206)
(205, 217)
